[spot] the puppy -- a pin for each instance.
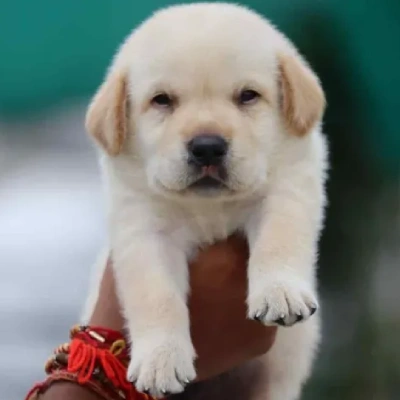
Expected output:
(209, 122)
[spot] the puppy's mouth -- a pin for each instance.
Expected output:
(210, 178)
(207, 182)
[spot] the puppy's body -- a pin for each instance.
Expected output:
(211, 125)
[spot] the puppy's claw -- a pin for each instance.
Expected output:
(132, 380)
(257, 316)
(313, 309)
(280, 320)
(299, 317)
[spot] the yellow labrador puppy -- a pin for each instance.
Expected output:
(210, 123)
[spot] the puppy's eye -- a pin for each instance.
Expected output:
(162, 100)
(248, 96)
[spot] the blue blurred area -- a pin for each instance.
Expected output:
(53, 56)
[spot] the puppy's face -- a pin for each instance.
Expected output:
(204, 110)
(204, 121)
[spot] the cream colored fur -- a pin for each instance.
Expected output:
(203, 55)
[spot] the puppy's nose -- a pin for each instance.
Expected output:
(205, 150)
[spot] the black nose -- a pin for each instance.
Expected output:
(207, 150)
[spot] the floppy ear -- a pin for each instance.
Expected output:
(302, 97)
(106, 118)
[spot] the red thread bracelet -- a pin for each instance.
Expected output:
(96, 358)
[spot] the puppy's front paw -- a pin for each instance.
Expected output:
(161, 365)
(280, 300)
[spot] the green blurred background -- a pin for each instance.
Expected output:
(53, 55)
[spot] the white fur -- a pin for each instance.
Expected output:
(204, 52)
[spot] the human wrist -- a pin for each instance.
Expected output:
(95, 358)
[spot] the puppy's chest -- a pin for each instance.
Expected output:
(204, 226)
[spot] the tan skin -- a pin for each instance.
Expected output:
(221, 334)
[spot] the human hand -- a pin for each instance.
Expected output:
(222, 335)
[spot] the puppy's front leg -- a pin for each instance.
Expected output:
(152, 281)
(281, 266)
(283, 236)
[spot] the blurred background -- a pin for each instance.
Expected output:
(53, 55)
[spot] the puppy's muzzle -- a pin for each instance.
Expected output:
(206, 157)
(207, 150)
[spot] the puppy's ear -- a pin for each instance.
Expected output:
(302, 97)
(106, 118)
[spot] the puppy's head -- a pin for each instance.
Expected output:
(200, 97)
